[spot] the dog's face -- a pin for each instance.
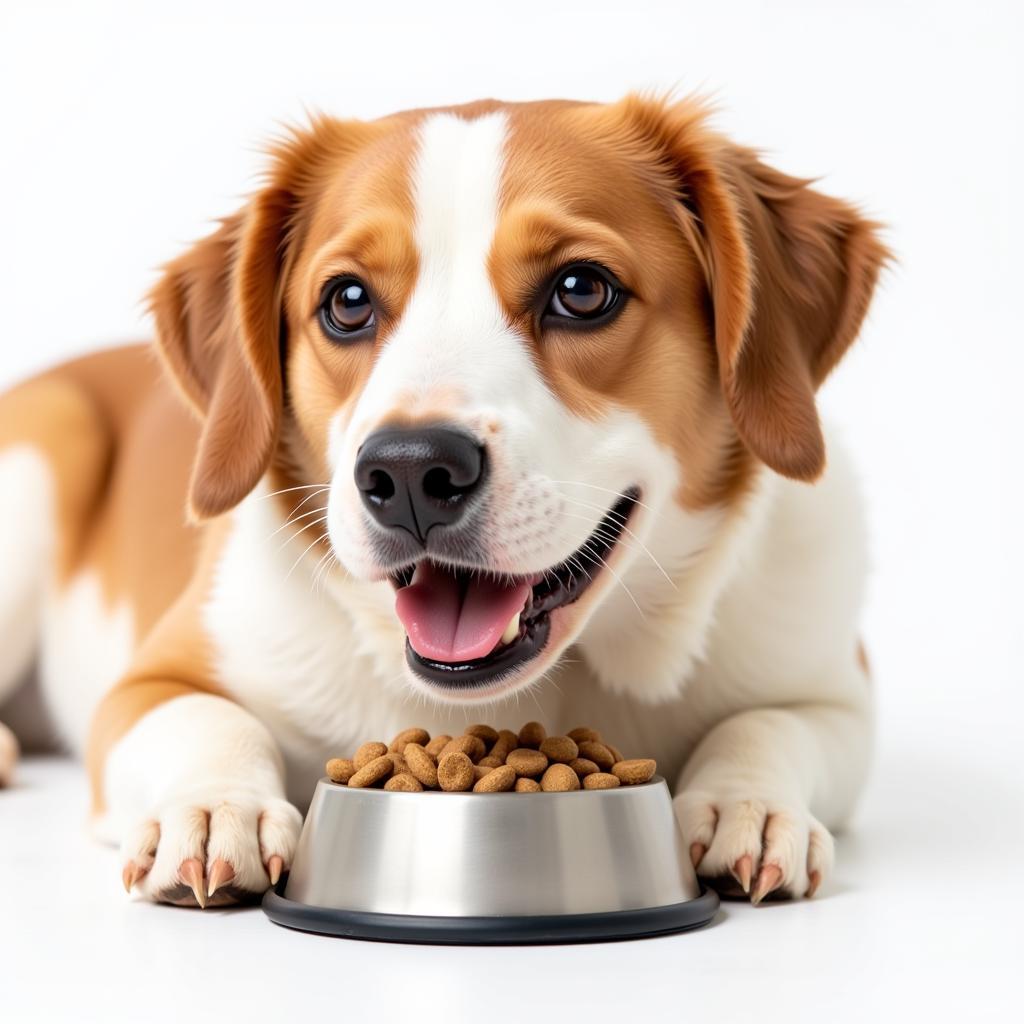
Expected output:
(526, 349)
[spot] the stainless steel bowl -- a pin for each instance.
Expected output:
(495, 868)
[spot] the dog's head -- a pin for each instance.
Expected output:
(533, 349)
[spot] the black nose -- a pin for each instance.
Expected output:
(419, 478)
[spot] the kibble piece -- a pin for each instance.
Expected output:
(472, 746)
(479, 771)
(367, 753)
(583, 766)
(411, 735)
(403, 782)
(484, 732)
(372, 773)
(527, 762)
(615, 752)
(340, 769)
(532, 735)
(600, 780)
(398, 760)
(582, 734)
(437, 744)
(498, 780)
(633, 772)
(421, 764)
(455, 772)
(490, 762)
(559, 778)
(506, 742)
(525, 785)
(559, 749)
(598, 753)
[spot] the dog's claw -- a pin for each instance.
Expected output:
(220, 872)
(697, 851)
(274, 868)
(769, 878)
(132, 874)
(742, 870)
(191, 873)
(815, 882)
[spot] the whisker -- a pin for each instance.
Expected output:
(625, 529)
(318, 540)
(285, 490)
(301, 530)
(595, 487)
(294, 519)
(595, 556)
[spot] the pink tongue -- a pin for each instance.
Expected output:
(450, 620)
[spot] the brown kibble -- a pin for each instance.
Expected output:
(598, 753)
(559, 778)
(403, 782)
(421, 764)
(506, 742)
(436, 745)
(368, 752)
(635, 771)
(600, 780)
(559, 749)
(472, 746)
(370, 774)
(532, 735)
(583, 766)
(497, 780)
(483, 732)
(527, 762)
(411, 735)
(340, 769)
(455, 772)
(489, 760)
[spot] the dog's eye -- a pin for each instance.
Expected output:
(583, 292)
(346, 308)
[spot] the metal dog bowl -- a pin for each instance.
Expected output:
(497, 868)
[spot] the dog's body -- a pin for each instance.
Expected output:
(206, 672)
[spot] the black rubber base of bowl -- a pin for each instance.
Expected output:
(491, 931)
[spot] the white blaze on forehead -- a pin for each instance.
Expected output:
(453, 340)
(457, 181)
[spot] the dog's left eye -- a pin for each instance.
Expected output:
(583, 292)
(346, 309)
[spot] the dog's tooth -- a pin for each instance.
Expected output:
(511, 630)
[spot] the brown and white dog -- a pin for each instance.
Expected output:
(548, 371)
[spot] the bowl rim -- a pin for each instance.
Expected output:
(654, 780)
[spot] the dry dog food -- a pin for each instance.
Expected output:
(488, 760)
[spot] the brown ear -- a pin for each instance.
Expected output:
(218, 328)
(791, 273)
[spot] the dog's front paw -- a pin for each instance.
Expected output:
(752, 847)
(210, 852)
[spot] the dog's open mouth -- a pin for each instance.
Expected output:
(469, 629)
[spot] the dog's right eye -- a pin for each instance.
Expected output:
(346, 309)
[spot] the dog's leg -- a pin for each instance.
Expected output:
(54, 450)
(193, 790)
(758, 796)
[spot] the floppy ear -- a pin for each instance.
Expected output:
(791, 273)
(219, 330)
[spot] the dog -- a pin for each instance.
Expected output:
(498, 411)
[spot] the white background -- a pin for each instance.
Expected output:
(127, 127)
